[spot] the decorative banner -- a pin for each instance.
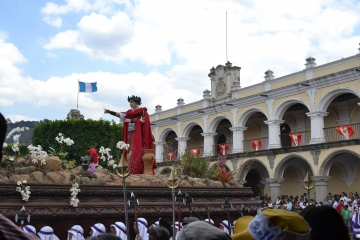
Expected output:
(295, 139)
(256, 144)
(346, 130)
(170, 156)
(195, 152)
(223, 148)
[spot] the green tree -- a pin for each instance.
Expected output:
(85, 134)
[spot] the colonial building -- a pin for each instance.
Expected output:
(276, 131)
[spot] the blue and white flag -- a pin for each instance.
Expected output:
(87, 87)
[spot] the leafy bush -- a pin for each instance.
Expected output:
(22, 149)
(195, 166)
(85, 134)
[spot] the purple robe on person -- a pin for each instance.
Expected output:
(356, 226)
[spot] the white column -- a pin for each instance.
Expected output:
(320, 183)
(317, 126)
(182, 144)
(208, 143)
(274, 133)
(238, 139)
(275, 184)
(159, 151)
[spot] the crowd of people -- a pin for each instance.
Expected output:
(346, 205)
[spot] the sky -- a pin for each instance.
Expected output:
(160, 50)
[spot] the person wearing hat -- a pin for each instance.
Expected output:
(224, 225)
(30, 229)
(271, 224)
(76, 233)
(155, 224)
(97, 229)
(119, 229)
(158, 233)
(141, 229)
(136, 133)
(178, 227)
(199, 230)
(210, 221)
(355, 223)
(47, 233)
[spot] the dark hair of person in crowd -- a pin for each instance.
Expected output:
(158, 233)
(105, 236)
(325, 222)
(3, 128)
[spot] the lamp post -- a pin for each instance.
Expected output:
(123, 172)
(227, 205)
(172, 184)
(188, 201)
(22, 216)
(308, 185)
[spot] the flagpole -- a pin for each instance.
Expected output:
(77, 101)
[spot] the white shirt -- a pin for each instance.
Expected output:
(345, 199)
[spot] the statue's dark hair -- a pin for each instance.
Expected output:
(135, 99)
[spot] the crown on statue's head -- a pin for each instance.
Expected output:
(135, 99)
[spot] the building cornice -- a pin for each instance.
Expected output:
(261, 97)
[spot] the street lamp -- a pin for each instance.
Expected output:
(188, 201)
(22, 216)
(172, 184)
(308, 183)
(227, 205)
(123, 172)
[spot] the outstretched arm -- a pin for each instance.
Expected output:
(116, 114)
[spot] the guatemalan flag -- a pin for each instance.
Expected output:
(87, 87)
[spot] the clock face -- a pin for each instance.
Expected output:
(221, 87)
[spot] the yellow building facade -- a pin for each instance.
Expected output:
(277, 131)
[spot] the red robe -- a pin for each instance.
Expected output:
(141, 138)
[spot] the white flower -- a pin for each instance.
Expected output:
(15, 147)
(74, 190)
(74, 202)
(11, 159)
(24, 190)
(114, 166)
(37, 154)
(4, 145)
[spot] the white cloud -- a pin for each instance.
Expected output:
(18, 118)
(188, 38)
(53, 21)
